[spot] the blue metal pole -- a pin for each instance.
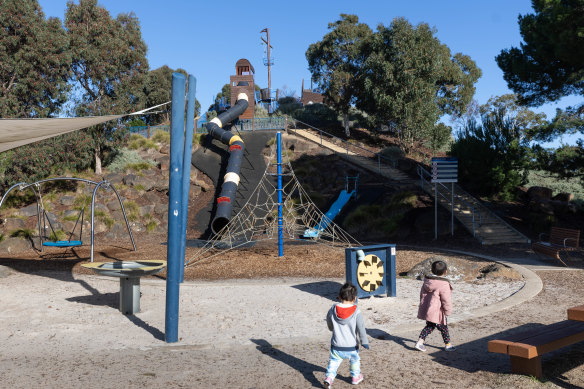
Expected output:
(280, 232)
(177, 127)
(186, 169)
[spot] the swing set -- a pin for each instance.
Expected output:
(44, 218)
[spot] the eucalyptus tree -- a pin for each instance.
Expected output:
(409, 79)
(109, 66)
(34, 61)
(335, 61)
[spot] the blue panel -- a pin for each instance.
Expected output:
(386, 253)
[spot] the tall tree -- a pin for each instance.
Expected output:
(34, 61)
(336, 59)
(158, 90)
(409, 79)
(550, 62)
(109, 66)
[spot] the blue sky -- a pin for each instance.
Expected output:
(206, 38)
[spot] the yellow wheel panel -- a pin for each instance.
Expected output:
(370, 273)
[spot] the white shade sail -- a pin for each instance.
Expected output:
(19, 132)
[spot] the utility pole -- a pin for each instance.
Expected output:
(268, 61)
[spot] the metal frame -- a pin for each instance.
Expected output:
(36, 188)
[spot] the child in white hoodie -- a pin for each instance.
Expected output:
(344, 319)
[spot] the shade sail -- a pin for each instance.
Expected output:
(19, 132)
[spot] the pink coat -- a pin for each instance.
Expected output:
(435, 300)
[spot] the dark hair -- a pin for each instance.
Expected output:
(348, 292)
(439, 268)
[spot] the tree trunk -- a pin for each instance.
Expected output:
(346, 124)
(97, 159)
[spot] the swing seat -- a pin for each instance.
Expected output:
(63, 243)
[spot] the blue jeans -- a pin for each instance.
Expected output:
(335, 359)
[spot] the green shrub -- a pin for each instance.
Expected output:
(161, 137)
(2, 237)
(132, 210)
(198, 139)
(151, 226)
(393, 153)
(556, 184)
(57, 235)
(317, 115)
(125, 157)
(22, 233)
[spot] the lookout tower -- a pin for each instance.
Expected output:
(242, 82)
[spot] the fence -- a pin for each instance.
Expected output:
(148, 131)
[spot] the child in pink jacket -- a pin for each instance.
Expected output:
(435, 305)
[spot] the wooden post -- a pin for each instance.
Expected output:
(530, 367)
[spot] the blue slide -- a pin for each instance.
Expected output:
(334, 210)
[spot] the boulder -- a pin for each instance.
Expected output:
(539, 192)
(15, 245)
(144, 182)
(114, 178)
(567, 197)
(146, 209)
(67, 200)
(28, 211)
(13, 223)
(129, 179)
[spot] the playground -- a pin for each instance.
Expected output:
(240, 327)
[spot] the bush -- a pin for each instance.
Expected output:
(26, 233)
(492, 157)
(137, 141)
(33, 162)
(161, 137)
(317, 115)
(125, 157)
(556, 183)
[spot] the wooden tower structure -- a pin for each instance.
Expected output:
(242, 82)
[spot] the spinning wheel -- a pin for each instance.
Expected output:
(370, 273)
(371, 269)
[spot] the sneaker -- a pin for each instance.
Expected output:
(449, 347)
(328, 382)
(357, 380)
(421, 347)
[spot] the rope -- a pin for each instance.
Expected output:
(257, 220)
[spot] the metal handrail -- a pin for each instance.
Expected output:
(321, 132)
(423, 172)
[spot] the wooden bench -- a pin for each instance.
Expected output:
(560, 240)
(526, 348)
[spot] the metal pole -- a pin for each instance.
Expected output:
(186, 170)
(435, 211)
(452, 210)
(174, 208)
(280, 221)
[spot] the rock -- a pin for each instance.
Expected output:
(539, 192)
(151, 197)
(567, 197)
(146, 209)
(13, 223)
(161, 186)
(457, 269)
(137, 227)
(144, 183)
(164, 149)
(114, 178)
(130, 193)
(31, 210)
(67, 200)
(163, 162)
(496, 270)
(161, 208)
(116, 232)
(15, 245)
(113, 205)
(99, 227)
(129, 179)
(195, 191)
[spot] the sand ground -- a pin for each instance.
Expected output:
(63, 329)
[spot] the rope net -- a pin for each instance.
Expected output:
(257, 220)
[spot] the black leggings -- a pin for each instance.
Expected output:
(443, 328)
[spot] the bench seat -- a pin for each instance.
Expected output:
(526, 348)
(561, 240)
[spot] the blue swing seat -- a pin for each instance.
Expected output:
(63, 243)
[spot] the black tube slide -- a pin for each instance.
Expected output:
(236, 148)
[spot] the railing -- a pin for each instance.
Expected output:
(423, 173)
(147, 131)
(348, 146)
(259, 124)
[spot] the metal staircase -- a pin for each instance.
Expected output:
(481, 222)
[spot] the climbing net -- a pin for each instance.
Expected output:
(257, 220)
